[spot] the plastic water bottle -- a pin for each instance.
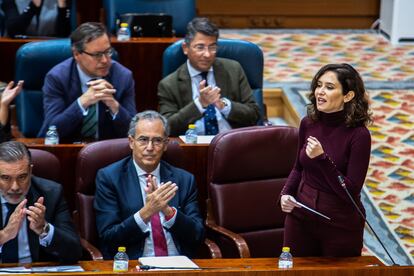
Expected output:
(52, 136)
(121, 260)
(123, 33)
(191, 135)
(286, 259)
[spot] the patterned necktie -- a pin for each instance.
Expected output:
(90, 122)
(10, 250)
(158, 237)
(210, 119)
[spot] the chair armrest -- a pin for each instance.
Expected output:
(94, 252)
(215, 252)
(238, 240)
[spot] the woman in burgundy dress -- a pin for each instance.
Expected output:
(334, 149)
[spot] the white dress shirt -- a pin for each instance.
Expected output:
(221, 115)
(149, 244)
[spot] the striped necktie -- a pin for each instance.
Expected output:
(90, 122)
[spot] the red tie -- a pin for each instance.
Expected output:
(158, 237)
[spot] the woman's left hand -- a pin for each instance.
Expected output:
(313, 147)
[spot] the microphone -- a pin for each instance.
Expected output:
(342, 182)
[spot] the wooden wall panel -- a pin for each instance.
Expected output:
(290, 13)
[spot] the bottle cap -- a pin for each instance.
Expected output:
(286, 249)
(124, 25)
(191, 126)
(121, 249)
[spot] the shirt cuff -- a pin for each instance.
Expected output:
(114, 115)
(227, 107)
(83, 110)
(141, 224)
(199, 106)
(48, 238)
(169, 223)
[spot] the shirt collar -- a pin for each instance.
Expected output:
(194, 72)
(141, 172)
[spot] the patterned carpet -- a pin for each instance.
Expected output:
(291, 60)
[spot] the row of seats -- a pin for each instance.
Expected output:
(44, 55)
(182, 11)
(247, 169)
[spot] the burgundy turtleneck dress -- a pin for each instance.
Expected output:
(314, 182)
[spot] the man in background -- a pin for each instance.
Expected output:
(89, 96)
(144, 203)
(212, 93)
(35, 219)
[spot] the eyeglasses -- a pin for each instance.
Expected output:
(156, 141)
(200, 48)
(99, 55)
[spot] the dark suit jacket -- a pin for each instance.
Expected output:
(118, 197)
(61, 90)
(176, 97)
(65, 246)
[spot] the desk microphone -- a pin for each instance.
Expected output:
(342, 182)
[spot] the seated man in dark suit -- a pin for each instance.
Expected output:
(89, 96)
(35, 220)
(144, 203)
(212, 93)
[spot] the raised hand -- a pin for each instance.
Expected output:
(10, 231)
(36, 216)
(313, 147)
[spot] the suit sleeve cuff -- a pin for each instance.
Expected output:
(83, 110)
(48, 238)
(141, 224)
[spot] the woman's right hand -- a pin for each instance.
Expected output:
(288, 202)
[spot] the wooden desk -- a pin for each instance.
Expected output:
(361, 266)
(143, 56)
(195, 156)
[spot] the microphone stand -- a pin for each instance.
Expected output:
(342, 182)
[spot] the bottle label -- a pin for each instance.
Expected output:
(285, 264)
(120, 266)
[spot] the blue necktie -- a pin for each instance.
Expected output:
(10, 250)
(210, 119)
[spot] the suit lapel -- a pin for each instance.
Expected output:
(184, 85)
(220, 75)
(166, 175)
(133, 188)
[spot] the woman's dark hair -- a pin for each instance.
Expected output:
(357, 111)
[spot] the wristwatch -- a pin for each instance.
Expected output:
(224, 102)
(45, 231)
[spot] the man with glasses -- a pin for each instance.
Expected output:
(89, 96)
(212, 93)
(35, 219)
(144, 203)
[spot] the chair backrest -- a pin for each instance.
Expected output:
(45, 164)
(182, 11)
(247, 169)
(95, 156)
(33, 61)
(248, 54)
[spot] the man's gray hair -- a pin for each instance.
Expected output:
(148, 115)
(200, 25)
(86, 33)
(13, 151)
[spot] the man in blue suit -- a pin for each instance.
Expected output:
(144, 203)
(89, 96)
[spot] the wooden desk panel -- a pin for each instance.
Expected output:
(196, 163)
(361, 266)
(143, 56)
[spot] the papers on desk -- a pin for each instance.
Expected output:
(201, 139)
(168, 262)
(41, 269)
